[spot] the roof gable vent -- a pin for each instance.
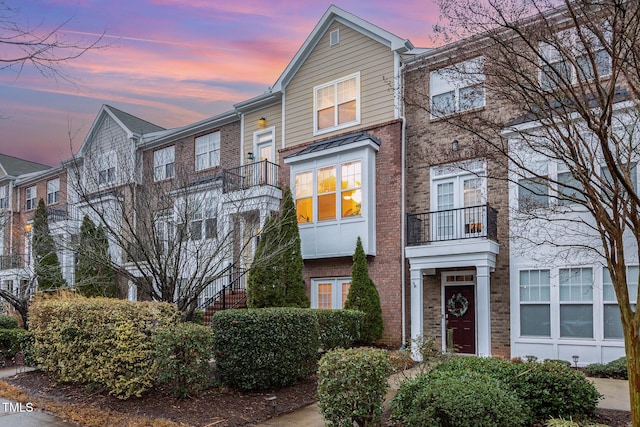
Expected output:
(334, 37)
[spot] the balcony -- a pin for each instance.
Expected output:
(62, 212)
(452, 224)
(258, 174)
(8, 262)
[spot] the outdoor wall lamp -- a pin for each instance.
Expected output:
(250, 157)
(262, 122)
(454, 145)
(27, 228)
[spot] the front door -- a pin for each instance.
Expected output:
(460, 318)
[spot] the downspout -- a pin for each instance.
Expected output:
(403, 201)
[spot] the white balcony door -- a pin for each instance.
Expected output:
(458, 206)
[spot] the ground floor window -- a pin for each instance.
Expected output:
(329, 293)
(611, 312)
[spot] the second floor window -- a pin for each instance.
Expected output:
(53, 191)
(208, 151)
(30, 198)
(163, 166)
(4, 197)
(337, 104)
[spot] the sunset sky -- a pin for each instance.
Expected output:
(171, 62)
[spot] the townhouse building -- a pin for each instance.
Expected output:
(365, 130)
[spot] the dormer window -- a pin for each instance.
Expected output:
(337, 104)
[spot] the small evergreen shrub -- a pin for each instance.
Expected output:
(10, 340)
(339, 328)
(26, 347)
(8, 322)
(183, 352)
(614, 369)
(100, 342)
(457, 398)
(258, 349)
(352, 385)
(550, 389)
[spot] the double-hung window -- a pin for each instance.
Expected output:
(576, 302)
(329, 293)
(107, 169)
(53, 191)
(337, 104)
(535, 303)
(457, 88)
(30, 198)
(533, 192)
(207, 151)
(570, 190)
(611, 312)
(163, 163)
(4, 197)
(609, 183)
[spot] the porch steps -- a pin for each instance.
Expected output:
(232, 299)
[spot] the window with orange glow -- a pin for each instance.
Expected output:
(336, 103)
(304, 196)
(351, 186)
(326, 193)
(345, 291)
(325, 295)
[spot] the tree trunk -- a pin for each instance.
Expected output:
(632, 346)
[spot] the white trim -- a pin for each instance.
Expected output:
(443, 310)
(335, 83)
(257, 135)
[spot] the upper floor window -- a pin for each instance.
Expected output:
(208, 151)
(30, 196)
(4, 197)
(53, 191)
(457, 88)
(337, 104)
(555, 67)
(107, 169)
(163, 163)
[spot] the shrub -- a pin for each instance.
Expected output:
(8, 322)
(26, 347)
(352, 385)
(338, 328)
(264, 348)
(182, 354)
(99, 341)
(363, 295)
(614, 369)
(550, 389)
(10, 341)
(457, 398)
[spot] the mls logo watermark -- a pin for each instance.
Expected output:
(16, 407)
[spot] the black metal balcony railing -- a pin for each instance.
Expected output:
(452, 224)
(62, 212)
(251, 175)
(7, 262)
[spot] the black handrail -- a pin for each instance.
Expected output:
(452, 224)
(251, 175)
(235, 278)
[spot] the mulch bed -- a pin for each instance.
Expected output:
(220, 407)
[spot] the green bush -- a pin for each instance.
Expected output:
(98, 341)
(457, 398)
(8, 322)
(26, 347)
(339, 328)
(614, 369)
(10, 341)
(264, 348)
(352, 385)
(183, 352)
(550, 389)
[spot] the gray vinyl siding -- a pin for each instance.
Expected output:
(110, 137)
(355, 53)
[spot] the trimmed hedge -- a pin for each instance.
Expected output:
(352, 385)
(264, 348)
(10, 341)
(8, 322)
(339, 328)
(457, 398)
(614, 369)
(99, 341)
(183, 352)
(550, 389)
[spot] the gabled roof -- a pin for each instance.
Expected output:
(333, 14)
(14, 166)
(132, 125)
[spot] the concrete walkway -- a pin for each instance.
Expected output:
(616, 396)
(16, 414)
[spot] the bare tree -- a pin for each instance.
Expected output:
(562, 89)
(45, 49)
(181, 239)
